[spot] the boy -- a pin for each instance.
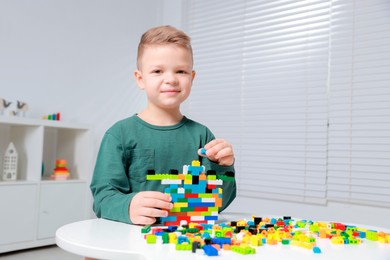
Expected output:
(158, 138)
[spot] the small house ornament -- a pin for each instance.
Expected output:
(10, 163)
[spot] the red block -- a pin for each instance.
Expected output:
(189, 195)
(201, 209)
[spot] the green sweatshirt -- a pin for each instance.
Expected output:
(131, 147)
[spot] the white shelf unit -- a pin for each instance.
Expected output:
(33, 207)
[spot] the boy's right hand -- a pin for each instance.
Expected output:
(146, 206)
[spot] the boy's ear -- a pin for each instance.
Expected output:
(193, 74)
(138, 78)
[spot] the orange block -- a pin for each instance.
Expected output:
(226, 247)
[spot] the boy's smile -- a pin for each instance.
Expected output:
(166, 75)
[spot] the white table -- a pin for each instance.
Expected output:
(104, 239)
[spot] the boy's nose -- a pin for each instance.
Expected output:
(170, 78)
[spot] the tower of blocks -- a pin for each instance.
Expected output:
(196, 196)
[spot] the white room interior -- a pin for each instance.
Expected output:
(316, 145)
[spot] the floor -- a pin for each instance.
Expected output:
(41, 253)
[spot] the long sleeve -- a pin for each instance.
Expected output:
(110, 186)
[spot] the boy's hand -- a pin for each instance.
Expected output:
(146, 206)
(219, 151)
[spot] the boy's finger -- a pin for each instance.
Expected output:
(152, 212)
(156, 195)
(142, 220)
(156, 203)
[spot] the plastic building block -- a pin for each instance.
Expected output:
(210, 250)
(146, 229)
(316, 250)
(151, 239)
(203, 151)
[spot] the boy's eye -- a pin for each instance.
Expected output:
(182, 72)
(156, 71)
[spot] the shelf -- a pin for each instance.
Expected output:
(17, 183)
(25, 121)
(62, 181)
(49, 203)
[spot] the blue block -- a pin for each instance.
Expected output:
(182, 239)
(201, 204)
(316, 250)
(207, 226)
(206, 235)
(195, 170)
(210, 250)
(221, 240)
(196, 200)
(169, 218)
(172, 228)
(176, 196)
(210, 217)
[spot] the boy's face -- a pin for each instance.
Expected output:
(166, 75)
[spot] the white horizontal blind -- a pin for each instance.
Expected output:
(216, 31)
(359, 102)
(262, 80)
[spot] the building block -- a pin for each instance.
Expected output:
(210, 250)
(196, 196)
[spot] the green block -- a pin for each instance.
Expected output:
(152, 177)
(183, 246)
(187, 209)
(151, 239)
(175, 209)
(165, 237)
(225, 178)
(205, 195)
(146, 229)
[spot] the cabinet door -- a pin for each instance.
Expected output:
(60, 204)
(17, 213)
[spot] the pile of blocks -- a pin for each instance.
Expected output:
(243, 237)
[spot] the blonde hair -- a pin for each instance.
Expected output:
(162, 35)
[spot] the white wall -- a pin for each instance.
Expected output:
(77, 57)
(74, 57)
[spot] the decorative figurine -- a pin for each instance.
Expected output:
(60, 172)
(22, 108)
(4, 105)
(10, 163)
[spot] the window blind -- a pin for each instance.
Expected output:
(262, 70)
(359, 103)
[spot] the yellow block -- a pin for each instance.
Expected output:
(195, 163)
(180, 204)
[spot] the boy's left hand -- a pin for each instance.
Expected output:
(219, 151)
